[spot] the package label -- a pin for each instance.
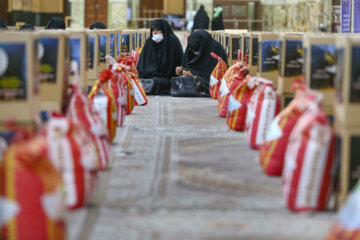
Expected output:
(48, 55)
(293, 58)
(118, 42)
(125, 44)
(13, 71)
(355, 76)
(255, 52)
(339, 74)
(235, 43)
(91, 52)
(112, 44)
(75, 51)
(323, 67)
(102, 52)
(270, 55)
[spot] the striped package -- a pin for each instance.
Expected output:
(139, 91)
(264, 105)
(308, 162)
(238, 102)
(347, 224)
(82, 111)
(234, 73)
(31, 196)
(74, 155)
(216, 76)
(119, 90)
(126, 78)
(104, 102)
(272, 152)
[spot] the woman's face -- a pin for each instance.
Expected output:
(156, 31)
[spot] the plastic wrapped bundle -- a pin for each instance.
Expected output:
(238, 103)
(82, 111)
(31, 196)
(104, 102)
(74, 155)
(272, 152)
(309, 160)
(216, 76)
(264, 105)
(347, 224)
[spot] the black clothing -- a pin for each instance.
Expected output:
(2, 24)
(203, 64)
(98, 25)
(55, 23)
(201, 19)
(160, 59)
(217, 23)
(27, 27)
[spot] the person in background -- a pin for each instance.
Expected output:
(2, 24)
(27, 27)
(201, 19)
(160, 55)
(98, 25)
(55, 23)
(197, 59)
(217, 21)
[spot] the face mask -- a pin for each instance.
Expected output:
(157, 38)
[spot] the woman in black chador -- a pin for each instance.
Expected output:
(197, 59)
(217, 21)
(161, 54)
(55, 23)
(201, 19)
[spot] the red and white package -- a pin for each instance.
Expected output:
(264, 105)
(238, 103)
(31, 195)
(308, 162)
(74, 155)
(228, 84)
(81, 110)
(216, 76)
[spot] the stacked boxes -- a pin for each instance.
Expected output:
(347, 113)
(19, 77)
(54, 69)
(319, 66)
(94, 63)
(290, 65)
(269, 55)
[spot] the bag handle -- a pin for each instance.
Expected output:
(182, 80)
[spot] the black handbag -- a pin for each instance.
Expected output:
(187, 87)
(149, 84)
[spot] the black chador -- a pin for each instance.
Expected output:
(160, 59)
(197, 58)
(201, 19)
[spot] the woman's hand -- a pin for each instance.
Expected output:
(178, 70)
(187, 73)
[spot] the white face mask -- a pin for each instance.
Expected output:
(157, 38)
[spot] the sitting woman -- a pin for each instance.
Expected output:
(162, 52)
(197, 59)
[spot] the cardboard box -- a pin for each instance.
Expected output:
(251, 49)
(347, 82)
(118, 43)
(290, 62)
(269, 55)
(319, 66)
(126, 42)
(79, 55)
(112, 43)
(94, 62)
(19, 77)
(104, 39)
(347, 159)
(54, 56)
(141, 39)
